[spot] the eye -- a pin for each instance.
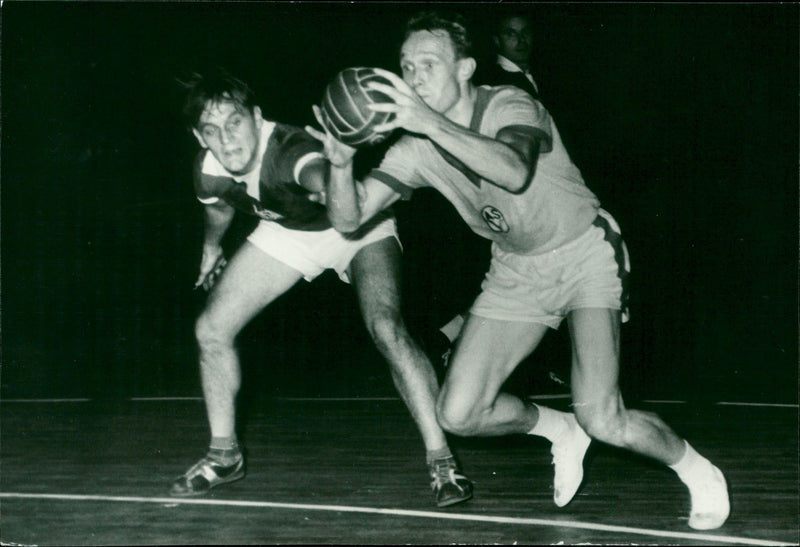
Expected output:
(209, 132)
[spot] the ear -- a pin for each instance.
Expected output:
(199, 138)
(466, 68)
(257, 116)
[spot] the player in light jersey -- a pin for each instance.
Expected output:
(263, 168)
(495, 153)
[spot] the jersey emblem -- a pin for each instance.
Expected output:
(495, 219)
(265, 214)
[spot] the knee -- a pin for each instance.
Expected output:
(386, 329)
(608, 426)
(209, 334)
(455, 418)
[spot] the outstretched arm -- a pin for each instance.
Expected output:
(349, 203)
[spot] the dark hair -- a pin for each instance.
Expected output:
(453, 23)
(215, 86)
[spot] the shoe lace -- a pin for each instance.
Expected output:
(199, 466)
(446, 357)
(442, 472)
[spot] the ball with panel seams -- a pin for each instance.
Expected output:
(345, 111)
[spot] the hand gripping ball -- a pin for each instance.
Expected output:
(344, 107)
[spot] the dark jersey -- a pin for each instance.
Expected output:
(279, 197)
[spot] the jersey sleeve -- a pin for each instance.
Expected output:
(514, 109)
(397, 170)
(295, 149)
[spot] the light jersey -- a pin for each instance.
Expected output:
(270, 190)
(554, 209)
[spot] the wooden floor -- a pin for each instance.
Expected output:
(352, 472)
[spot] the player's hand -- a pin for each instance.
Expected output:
(338, 153)
(211, 265)
(410, 110)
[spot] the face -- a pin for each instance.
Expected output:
(515, 40)
(231, 133)
(429, 65)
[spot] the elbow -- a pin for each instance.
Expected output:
(523, 180)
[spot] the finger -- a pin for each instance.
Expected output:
(385, 127)
(396, 80)
(319, 135)
(318, 115)
(383, 107)
(388, 90)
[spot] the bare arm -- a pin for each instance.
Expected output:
(217, 219)
(349, 203)
(506, 161)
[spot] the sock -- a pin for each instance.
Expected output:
(690, 463)
(453, 328)
(438, 454)
(551, 423)
(224, 450)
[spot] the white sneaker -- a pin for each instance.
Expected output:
(568, 452)
(710, 503)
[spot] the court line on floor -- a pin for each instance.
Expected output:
(726, 540)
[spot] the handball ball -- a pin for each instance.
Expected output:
(344, 107)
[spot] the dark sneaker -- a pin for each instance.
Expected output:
(205, 475)
(449, 486)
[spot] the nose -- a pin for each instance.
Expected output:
(415, 79)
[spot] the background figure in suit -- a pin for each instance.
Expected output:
(513, 37)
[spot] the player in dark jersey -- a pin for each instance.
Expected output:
(267, 169)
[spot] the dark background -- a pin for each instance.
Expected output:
(682, 118)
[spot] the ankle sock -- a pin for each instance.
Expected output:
(438, 454)
(690, 463)
(224, 450)
(551, 423)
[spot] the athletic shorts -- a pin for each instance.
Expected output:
(311, 253)
(589, 272)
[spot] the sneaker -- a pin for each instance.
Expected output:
(449, 486)
(568, 453)
(205, 475)
(710, 503)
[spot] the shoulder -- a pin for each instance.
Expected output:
(509, 100)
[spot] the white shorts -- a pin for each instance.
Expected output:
(311, 253)
(589, 272)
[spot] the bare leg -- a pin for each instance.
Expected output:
(600, 410)
(251, 281)
(375, 272)
(487, 353)
(597, 401)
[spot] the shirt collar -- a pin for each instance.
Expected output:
(508, 64)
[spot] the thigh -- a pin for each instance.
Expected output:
(375, 275)
(251, 280)
(487, 352)
(595, 333)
